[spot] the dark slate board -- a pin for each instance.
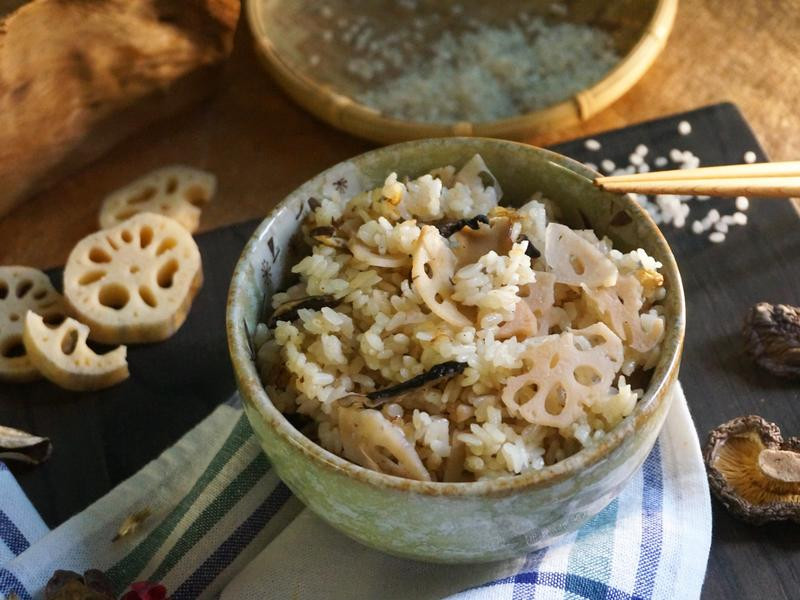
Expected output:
(102, 438)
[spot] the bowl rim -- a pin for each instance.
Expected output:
(345, 112)
(255, 396)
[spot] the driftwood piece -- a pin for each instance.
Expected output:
(78, 76)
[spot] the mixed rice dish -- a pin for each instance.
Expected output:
(438, 336)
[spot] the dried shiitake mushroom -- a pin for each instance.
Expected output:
(177, 192)
(23, 289)
(134, 282)
(753, 471)
(772, 337)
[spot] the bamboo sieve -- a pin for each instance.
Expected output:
(287, 32)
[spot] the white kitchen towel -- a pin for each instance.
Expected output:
(221, 522)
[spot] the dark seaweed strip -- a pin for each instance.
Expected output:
(288, 310)
(441, 371)
(448, 228)
(531, 250)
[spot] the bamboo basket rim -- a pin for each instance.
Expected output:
(345, 113)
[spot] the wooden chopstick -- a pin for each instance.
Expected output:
(777, 169)
(762, 179)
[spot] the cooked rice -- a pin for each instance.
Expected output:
(549, 343)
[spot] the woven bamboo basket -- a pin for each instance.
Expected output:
(288, 34)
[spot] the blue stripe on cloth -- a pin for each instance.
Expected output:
(227, 552)
(532, 562)
(569, 582)
(652, 526)
(9, 583)
(11, 536)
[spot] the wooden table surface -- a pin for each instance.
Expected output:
(262, 146)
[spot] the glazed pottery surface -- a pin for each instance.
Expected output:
(454, 522)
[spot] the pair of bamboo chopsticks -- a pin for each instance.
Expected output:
(761, 179)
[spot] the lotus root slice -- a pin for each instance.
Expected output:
(177, 192)
(135, 282)
(23, 289)
(567, 372)
(62, 356)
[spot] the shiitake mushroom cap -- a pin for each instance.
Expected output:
(753, 472)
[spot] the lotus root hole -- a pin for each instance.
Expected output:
(126, 236)
(69, 342)
(438, 298)
(556, 400)
(167, 244)
(586, 375)
(3, 290)
(126, 214)
(172, 185)
(13, 348)
(147, 296)
(54, 319)
(524, 394)
(112, 243)
(114, 296)
(134, 269)
(196, 196)
(13, 317)
(554, 360)
(98, 255)
(143, 196)
(23, 287)
(167, 273)
(91, 277)
(577, 265)
(428, 270)
(145, 236)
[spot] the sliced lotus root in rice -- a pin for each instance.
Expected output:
(476, 175)
(432, 270)
(370, 440)
(23, 289)
(474, 243)
(540, 298)
(564, 377)
(575, 260)
(620, 306)
(176, 192)
(523, 324)
(62, 356)
(134, 282)
(364, 254)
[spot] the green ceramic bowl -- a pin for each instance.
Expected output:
(454, 522)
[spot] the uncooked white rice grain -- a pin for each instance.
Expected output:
(684, 128)
(749, 157)
(641, 150)
(676, 155)
(717, 237)
(608, 165)
(635, 159)
(592, 144)
(660, 161)
(742, 203)
(740, 218)
(697, 227)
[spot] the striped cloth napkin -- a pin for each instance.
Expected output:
(221, 524)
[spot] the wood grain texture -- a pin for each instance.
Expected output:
(262, 146)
